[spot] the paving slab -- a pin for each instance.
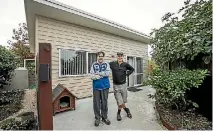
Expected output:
(141, 107)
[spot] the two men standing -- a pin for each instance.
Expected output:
(100, 71)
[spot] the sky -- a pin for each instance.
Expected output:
(141, 15)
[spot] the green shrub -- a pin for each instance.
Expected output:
(7, 65)
(13, 124)
(10, 102)
(13, 96)
(172, 86)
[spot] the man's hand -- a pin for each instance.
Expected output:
(96, 77)
(100, 74)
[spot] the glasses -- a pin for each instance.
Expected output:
(100, 56)
(120, 53)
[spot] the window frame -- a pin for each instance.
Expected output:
(135, 73)
(59, 66)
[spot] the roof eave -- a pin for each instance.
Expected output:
(59, 11)
(30, 18)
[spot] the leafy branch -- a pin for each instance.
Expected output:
(184, 38)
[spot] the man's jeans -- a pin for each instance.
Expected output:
(100, 103)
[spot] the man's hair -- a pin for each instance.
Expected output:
(101, 52)
(120, 53)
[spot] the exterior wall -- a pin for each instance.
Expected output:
(70, 36)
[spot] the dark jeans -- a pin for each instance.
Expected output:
(100, 103)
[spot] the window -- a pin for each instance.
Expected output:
(74, 62)
(139, 63)
(92, 57)
(139, 70)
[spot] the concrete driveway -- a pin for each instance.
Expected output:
(144, 117)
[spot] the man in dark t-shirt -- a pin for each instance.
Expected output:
(121, 70)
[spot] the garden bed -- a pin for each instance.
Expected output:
(10, 103)
(18, 110)
(24, 121)
(173, 119)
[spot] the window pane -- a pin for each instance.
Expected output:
(72, 62)
(72, 65)
(84, 62)
(62, 62)
(75, 63)
(80, 64)
(139, 78)
(139, 64)
(66, 63)
(92, 57)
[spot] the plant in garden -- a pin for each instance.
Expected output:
(151, 65)
(13, 124)
(30, 64)
(185, 41)
(186, 37)
(172, 86)
(7, 65)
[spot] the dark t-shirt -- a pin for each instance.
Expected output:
(120, 72)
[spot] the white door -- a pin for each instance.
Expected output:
(137, 77)
(130, 80)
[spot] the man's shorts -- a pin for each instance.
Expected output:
(120, 92)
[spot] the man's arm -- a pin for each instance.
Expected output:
(93, 75)
(106, 72)
(130, 69)
(110, 64)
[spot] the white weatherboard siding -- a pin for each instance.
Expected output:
(69, 36)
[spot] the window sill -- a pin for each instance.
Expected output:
(66, 76)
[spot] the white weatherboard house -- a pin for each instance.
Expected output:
(76, 36)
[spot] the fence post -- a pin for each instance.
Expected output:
(44, 95)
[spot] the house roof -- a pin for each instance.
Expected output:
(62, 12)
(58, 90)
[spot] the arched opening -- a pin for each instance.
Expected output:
(64, 102)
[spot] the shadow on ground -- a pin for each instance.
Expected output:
(134, 89)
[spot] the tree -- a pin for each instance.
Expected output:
(7, 65)
(20, 42)
(185, 38)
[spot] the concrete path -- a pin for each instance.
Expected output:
(144, 117)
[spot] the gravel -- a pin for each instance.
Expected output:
(29, 103)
